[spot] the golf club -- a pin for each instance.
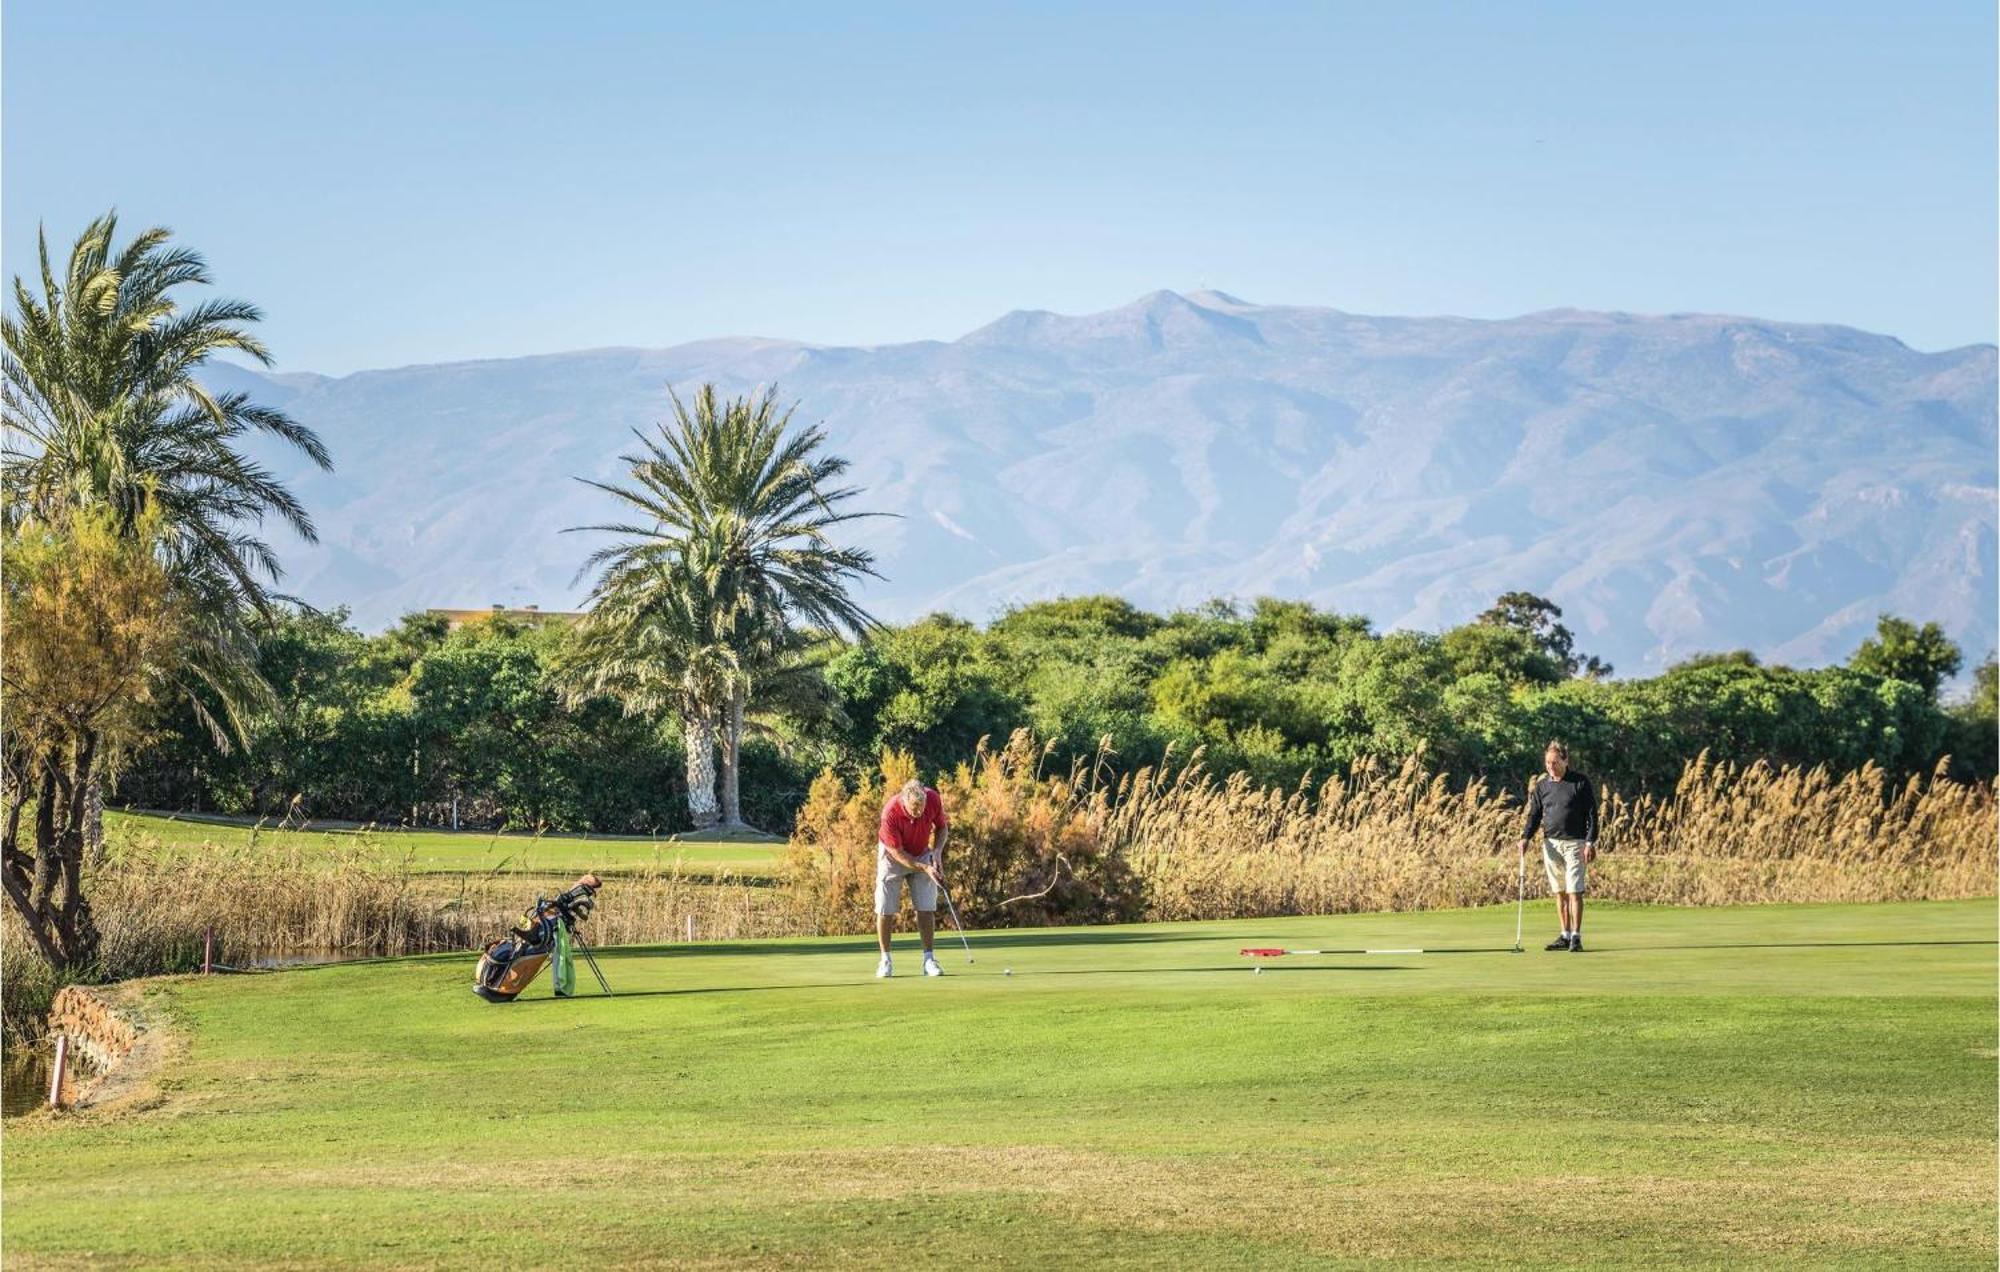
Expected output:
(1520, 898)
(954, 920)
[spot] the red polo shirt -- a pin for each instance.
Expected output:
(912, 835)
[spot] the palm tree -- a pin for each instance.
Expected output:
(100, 384)
(648, 641)
(731, 551)
(104, 417)
(103, 410)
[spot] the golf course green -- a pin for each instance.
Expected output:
(430, 851)
(1759, 1086)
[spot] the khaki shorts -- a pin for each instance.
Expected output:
(1563, 859)
(889, 885)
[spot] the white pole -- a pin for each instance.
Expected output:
(690, 925)
(57, 1070)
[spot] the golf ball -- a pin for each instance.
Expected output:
(1008, 972)
(1258, 970)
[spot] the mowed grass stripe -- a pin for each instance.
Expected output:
(442, 851)
(1811, 1086)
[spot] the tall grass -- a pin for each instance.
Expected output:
(155, 906)
(284, 903)
(1401, 838)
(1177, 843)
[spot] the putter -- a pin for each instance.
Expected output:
(1520, 899)
(954, 920)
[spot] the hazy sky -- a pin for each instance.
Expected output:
(414, 182)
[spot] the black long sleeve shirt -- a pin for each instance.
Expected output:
(1563, 809)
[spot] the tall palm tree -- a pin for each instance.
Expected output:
(732, 548)
(103, 413)
(103, 409)
(649, 642)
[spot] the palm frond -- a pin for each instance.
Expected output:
(102, 408)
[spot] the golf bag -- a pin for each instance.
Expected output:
(545, 933)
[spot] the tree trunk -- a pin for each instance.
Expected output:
(732, 759)
(51, 902)
(73, 919)
(699, 734)
(23, 874)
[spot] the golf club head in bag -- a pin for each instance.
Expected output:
(512, 963)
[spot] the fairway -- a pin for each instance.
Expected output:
(436, 851)
(1804, 1086)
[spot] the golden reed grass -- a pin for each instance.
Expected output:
(1177, 843)
(154, 907)
(277, 904)
(1400, 838)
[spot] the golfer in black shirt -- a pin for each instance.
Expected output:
(1563, 806)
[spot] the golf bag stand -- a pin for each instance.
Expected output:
(510, 964)
(583, 948)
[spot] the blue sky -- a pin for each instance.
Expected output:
(400, 183)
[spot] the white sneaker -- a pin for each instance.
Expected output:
(885, 969)
(930, 966)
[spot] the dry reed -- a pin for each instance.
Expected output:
(1400, 838)
(154, 909)
(270, 904)
(1175, 843)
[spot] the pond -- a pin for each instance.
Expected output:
(24, 1082)
(24, 1078)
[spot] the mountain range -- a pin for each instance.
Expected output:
(1676, 483)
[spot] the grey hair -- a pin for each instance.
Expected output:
(1556, 746)
(912, 789)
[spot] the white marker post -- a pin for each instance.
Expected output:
(58, 1070)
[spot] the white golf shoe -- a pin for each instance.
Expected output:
(930, 965)
(885, 968)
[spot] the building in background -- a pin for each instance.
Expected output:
(530, 615)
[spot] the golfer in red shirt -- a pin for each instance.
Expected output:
(905, 849)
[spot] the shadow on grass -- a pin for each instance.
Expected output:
(1788, 945)
(1030, 975)
(993, 939)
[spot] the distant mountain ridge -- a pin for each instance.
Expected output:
(1676, 483)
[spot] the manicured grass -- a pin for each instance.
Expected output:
(1781, 1086)
(444, 850)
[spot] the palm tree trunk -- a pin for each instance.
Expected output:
(732, 759)
(699, 734)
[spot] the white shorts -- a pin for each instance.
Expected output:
(889, 885)
(1563, 860)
